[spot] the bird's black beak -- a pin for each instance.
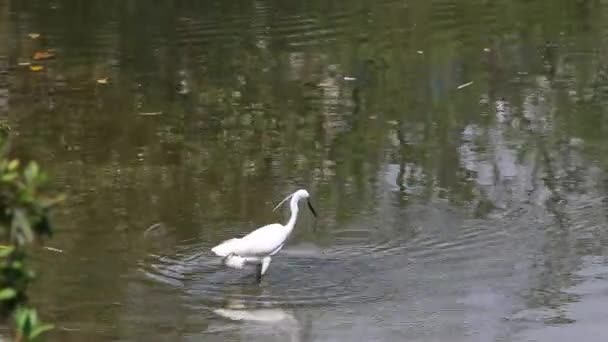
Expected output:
(314, 212)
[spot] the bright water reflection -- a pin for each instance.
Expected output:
(456, 154)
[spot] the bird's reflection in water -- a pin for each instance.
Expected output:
(265, 322)
(239, 312)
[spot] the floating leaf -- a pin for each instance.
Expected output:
(102, 80)
(41, 55)
(53, 249)
(36, 67)
(34, 35)
(7, 293)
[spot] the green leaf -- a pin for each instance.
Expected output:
(7, 293)
(31, 172)
(6, 251)
(13, 164)
(42, 178)
(33, 317)
(29, 325)
(22, 318)
(40, 329)
(26, 328)
(9, 177)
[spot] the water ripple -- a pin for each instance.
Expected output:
(359, 266)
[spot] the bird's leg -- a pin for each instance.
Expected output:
(265, 264)
(258, 273)
(261, 268)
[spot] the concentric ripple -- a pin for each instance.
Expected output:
(358, 266)
(292, 280)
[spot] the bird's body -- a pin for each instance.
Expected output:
(266, 240)
(260, 245)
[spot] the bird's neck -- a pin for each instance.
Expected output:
(294, 213)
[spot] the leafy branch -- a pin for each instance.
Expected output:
(24, 222)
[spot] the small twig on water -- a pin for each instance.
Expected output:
(464, 85)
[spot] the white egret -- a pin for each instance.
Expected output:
(260, 245)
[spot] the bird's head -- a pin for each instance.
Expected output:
(302, 193)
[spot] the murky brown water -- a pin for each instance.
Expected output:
(456, 154)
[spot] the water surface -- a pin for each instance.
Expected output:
(456, 154)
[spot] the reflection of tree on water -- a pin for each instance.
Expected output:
(545, 169)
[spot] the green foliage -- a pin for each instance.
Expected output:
(29, 327)
(24, 221)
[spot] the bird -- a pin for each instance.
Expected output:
(259, 246)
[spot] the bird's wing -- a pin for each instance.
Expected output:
(226, 247)
(260, 242)
(266, 233)
(263, 240)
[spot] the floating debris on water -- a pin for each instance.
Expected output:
(42, 55)
(464, 85)
(52, 249)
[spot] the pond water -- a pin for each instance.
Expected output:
(456, 154)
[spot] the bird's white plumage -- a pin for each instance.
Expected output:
(264, 242)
